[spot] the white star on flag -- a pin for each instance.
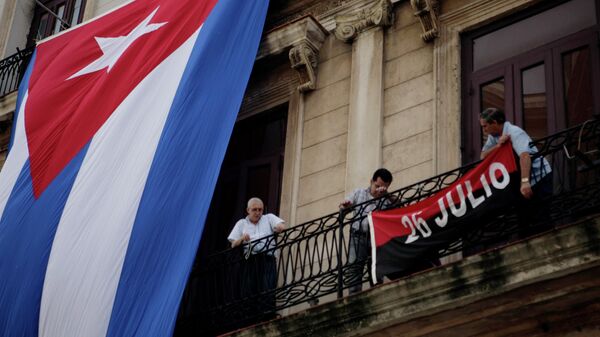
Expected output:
(114, 47)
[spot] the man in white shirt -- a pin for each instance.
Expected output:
(254, 227)
(255, 233)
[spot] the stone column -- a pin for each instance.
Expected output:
(364, 30)
(7, 10)
(90, 10)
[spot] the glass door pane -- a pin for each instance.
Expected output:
(534, 101)
(490, 88)
(534, 31)
(577, 86)
(58, 25)
(492, 96)
(41, 31)
(76, 12)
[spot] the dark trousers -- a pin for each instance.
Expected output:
(534, 213)
(259, 283)
(359, 256)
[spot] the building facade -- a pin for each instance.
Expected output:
(343, 87)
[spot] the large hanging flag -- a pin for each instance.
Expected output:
(402, 238)
(120, 130)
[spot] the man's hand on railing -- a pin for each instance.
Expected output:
(245, 238)
(345, 204)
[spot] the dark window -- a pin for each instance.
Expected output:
(45, 24)
(541, 66)
(534, 101)
(532, 32)
(577, 83)
(252, 168)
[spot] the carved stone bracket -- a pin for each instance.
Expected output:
(302, 39)
(427, 13)
(349, 26)
(305, 60)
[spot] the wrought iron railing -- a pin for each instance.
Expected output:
(12, 70)
(312, 258)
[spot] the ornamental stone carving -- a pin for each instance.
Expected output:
(349, 26)
(302, 39)
(304, 60)
(427, 13)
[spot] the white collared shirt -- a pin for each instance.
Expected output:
(262, 229)
(520, 142)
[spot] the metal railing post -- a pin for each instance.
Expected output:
(340, 290)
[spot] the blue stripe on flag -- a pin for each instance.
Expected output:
(180, 185)
(26, 260)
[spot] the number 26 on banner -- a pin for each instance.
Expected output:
(415, 223)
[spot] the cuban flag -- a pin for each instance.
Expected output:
(120, 130)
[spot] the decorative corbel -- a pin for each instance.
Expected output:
(349, 26)
(304, 59)
(427, 13)
(301, 39)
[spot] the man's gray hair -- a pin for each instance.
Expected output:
(253, 200)
(493, 115)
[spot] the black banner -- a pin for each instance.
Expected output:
(401, 238)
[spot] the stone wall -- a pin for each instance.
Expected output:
(408, 97)
(324, 139)
(95, 8)
(15, 21)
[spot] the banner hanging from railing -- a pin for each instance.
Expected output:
(401, 237)
(121, 127)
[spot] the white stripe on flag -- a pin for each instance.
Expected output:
(16, 159)
(93, 234)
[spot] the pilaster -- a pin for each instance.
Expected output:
(90, 10)
(7, 10)
(364, 29)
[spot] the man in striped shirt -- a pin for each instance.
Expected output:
(359, 249)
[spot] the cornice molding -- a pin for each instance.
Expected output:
(427, 13)
(348, 26)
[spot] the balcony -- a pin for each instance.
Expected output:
(507, 267)
(12, 70)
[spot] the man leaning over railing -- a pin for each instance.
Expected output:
(359, 249)
(255, 232)
(536, 176)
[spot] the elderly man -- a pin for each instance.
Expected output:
(359, 249)
(256, 226)
(255, 233)
(536, 176)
